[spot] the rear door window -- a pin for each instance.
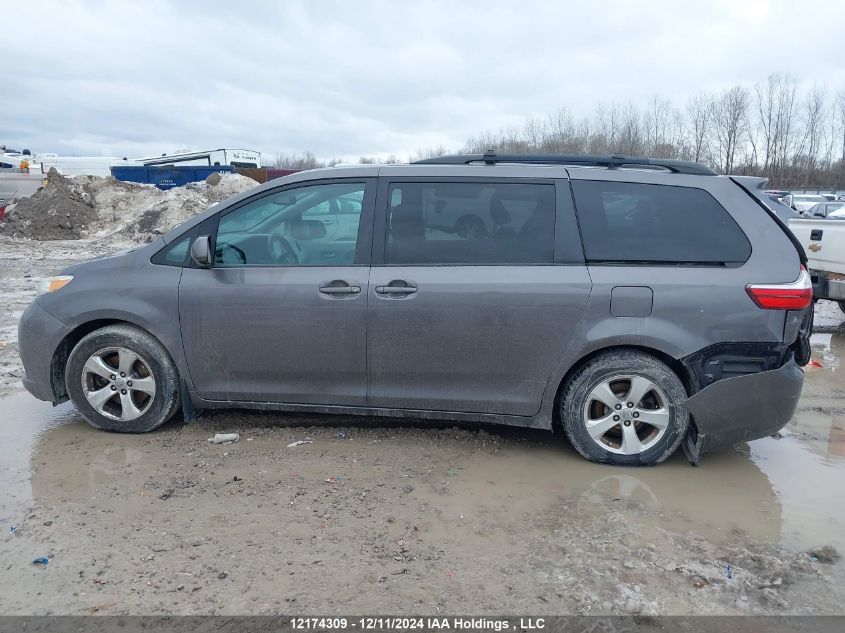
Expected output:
(470, 223)
(644, 223)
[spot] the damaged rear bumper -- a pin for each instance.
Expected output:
(743, 408)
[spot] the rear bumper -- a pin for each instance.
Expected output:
(744, 408)
(835, 289)
(826, 288)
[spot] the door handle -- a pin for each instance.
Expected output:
(396, 290)
(340, 288)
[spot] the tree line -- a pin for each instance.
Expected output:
(775, 128)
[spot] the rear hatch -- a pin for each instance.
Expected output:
(796, 297)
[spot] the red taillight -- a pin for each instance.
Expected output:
(797, 295)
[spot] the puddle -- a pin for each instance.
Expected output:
(23, 422)
(786, 492)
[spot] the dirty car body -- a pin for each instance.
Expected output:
(640, 305)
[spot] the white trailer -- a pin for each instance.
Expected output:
(233, 157)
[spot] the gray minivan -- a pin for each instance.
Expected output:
(637, 304)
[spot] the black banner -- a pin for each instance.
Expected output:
(426, 623)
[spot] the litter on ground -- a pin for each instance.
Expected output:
(307, 440)
(224, 438)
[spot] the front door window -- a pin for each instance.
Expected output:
(315, 225)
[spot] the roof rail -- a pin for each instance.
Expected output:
(575, 160)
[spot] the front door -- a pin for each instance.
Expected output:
(281, 314)
(475, 298)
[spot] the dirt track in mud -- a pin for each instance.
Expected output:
(404, 517)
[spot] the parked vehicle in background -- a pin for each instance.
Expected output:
(81, 165)
(755, 186)
(824, 209)
(828, 196)
(824, 242)
(637, 304)
(245, 158)
(802, 202)
(775, 194)
(20, 176)
(102, 165)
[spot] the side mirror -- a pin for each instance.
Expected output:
(201, 251)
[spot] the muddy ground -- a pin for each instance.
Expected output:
(404, 517)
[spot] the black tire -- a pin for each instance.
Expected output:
(841, 305)
(157, 410)
(576, 399)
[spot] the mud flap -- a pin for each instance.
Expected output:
(693, 444)
(740, 409)
(189, 413)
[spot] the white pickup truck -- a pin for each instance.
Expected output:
(16, 183)
(824, 243)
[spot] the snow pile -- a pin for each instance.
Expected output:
(92, 206)
(57, 211)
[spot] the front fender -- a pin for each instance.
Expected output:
(121, 289)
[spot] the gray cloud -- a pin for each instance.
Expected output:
(350, 78)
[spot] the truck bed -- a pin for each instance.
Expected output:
(824, 242)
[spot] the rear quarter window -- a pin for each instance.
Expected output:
(645, 223)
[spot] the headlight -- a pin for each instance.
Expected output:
(51, 284)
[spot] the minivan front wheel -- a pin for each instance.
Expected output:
(120, 378)
(623, 407)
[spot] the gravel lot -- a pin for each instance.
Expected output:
(400, 517)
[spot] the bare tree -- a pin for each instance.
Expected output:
(434, 152)
(840, 118)
(657, 121)
(700, 111)
(785, 125)
(608, 124)
(730, 115)
(807, 155)
(794, 137)
(306, 160)
(766, 102)
(631, 139)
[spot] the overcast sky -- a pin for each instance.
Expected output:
(350, 78)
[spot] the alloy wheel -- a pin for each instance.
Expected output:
(626, 414)
(118, 383)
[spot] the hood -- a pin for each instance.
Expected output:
(101, 261)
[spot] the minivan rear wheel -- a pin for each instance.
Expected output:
(623, 407)
(120, 378)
